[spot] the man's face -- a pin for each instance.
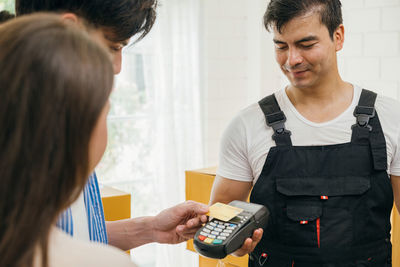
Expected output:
(98, 140)
(305, 51)
(103, 37)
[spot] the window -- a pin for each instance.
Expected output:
(8, 5)
(127, 161)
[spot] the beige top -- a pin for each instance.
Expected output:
(65, 251)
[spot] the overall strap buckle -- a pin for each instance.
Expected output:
(277, 122)
(369, 130)
(275, 118)
(363, 115)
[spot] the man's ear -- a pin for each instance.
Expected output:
(338, 37)
(72, 18)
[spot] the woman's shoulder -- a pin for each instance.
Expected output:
(67, 251)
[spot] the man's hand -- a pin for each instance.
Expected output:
(179, 223)
(225, 190)
(249, 244)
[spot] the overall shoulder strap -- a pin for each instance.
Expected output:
(276, 119)
(368, 129)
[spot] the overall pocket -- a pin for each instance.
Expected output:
(319, 211)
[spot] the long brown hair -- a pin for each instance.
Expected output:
(54, 82)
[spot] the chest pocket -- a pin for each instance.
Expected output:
(320, 211)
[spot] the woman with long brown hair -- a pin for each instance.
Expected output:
(54, 89)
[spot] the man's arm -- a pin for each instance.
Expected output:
(172, 226)
(396, 190)
(225, 190)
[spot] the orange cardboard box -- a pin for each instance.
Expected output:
(116, 203)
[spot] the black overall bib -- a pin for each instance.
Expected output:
(330, 205)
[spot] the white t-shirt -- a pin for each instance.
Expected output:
(65, 251)
(79, 218)
(247, 140)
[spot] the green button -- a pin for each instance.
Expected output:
(217, 241)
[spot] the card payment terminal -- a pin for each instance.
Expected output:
(216, 239)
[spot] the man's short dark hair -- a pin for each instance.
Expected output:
(122, 18)
(280, 12)
(5, 15)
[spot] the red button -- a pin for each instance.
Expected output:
(324, 197)
(202, 237)
(264, 255)
(303, 222)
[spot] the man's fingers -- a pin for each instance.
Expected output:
(180, 228)
(191, 225)
(194, 222)
(244, 249)
(193, 207)
(204, 218)
(188, 235)
(185, 232)
(257, 235)
(247, 245)
(185, 228)
(250, 243)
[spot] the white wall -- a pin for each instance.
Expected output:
(371, 55)
(234, 40)
(239, 62)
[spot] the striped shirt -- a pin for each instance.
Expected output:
(94, 211)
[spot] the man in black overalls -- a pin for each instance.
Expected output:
(330, 204)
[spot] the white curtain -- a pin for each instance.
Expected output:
(174, 84)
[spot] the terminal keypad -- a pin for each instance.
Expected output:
(216, 231)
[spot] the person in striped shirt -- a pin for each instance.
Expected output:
(112, 24)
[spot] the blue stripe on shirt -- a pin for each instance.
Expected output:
(94, 211)
(65, 222)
